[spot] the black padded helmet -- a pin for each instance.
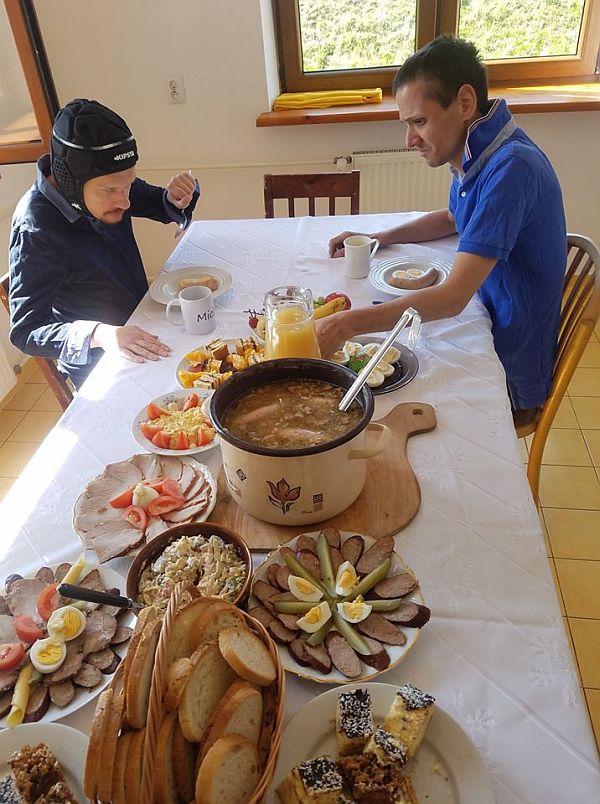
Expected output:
(88, 140)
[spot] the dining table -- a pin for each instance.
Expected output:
(494, 654)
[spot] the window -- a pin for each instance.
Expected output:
(28, 100)
(340, 44)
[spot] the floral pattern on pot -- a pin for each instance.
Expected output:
(283, 495)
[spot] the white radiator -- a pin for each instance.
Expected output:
(400, 181)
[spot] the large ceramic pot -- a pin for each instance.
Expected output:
(296, 486)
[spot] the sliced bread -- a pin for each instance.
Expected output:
(177, 677)
(180, 636)
(133, 776)
(209, 679)
(212, 620)
(240, 712)
(184, 765)
(229, 773)
(247, 655)
(97, 731)
(137, 691)
(164, 776)
(120, 770)
(108, 749)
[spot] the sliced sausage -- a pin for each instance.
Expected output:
(280, 633)
(381, 629)
(336, 559)
(62, 694)
(99, 631)
(283, 551)
(116, 661)
(45, 574)
(379, 657)
(318, 658)
(396, 585)
(304, 542)
(87, 676)
(311, 562)
(3, 606)
(5, 703)
(289, 620)
(122, 634)
(61, 571)
(375, 555)
(283, 574)
(410, 614)
(37, 705)
(272, 575)
(261, 614)
(8, 679)
(333, 537)
(72, 662)
(342, 655)
(101, 659)
(297, 649)
(10, 580)
(264, 591)
(352, 549)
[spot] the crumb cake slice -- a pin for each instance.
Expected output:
(354, 721)
(39, 777)
(372, 783)
(386, 749)
(316, 780)
(408, 716)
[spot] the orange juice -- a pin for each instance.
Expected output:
(290, 332)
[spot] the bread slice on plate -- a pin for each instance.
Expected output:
(139, 679)
(247, 655)
(208, 681)
(229, 773)
(216, 616)
(240, 712)
(164, 776)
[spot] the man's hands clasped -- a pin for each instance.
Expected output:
(131, 342)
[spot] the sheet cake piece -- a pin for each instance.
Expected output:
(316, 780)
(409, 715)
(353, 721)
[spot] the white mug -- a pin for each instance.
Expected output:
(197, 310)
(359, 250)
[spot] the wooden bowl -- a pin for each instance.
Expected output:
(153, 549)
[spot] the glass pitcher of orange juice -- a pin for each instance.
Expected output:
(290, 324)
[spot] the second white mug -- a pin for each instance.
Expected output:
(359, 251)
(197, 310)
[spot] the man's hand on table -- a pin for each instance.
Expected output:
(180, 190)
(336, 244)
(332, 331)
(131, 342)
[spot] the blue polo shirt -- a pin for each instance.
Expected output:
(507, 204)
(69, 272)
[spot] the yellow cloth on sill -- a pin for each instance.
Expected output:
(323, 100)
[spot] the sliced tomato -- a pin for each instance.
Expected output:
(162, 440)
(191, 401)
(154, 411)
(164, 504)
(205, 435)
(48, 600)
(171, 488)
(332, 296)
(136, 516)
(123, 500)
(27, 629)
(11, 655)
(149, 430)
(181, 442)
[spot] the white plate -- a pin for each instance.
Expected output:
(166, 286)
(199, 467)
(395, 652)
(68, 745)
(184, 364)
(163, 401)
(111, 580)
(447, 767)
(381, 273)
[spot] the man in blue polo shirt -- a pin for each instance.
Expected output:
(506, 205)
(76, 273)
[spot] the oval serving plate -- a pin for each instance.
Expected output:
(163, 401)
(166, 286)
(395, 652)
(380, 274)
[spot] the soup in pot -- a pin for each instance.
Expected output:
(291, 414)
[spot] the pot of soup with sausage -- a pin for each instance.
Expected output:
(290, 456)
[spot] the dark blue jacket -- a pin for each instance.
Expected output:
(69, 272)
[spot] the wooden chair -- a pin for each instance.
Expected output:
(56, 380)
(311, 186)
(579, 314)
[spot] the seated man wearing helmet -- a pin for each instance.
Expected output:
(76, 273)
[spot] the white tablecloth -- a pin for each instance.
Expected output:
(494, 654)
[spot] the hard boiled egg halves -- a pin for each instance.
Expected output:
(47, 655)
(354, 611)
(315, 618)
(66, 623)
(303, 589)
(345, 579)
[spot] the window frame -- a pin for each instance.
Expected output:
(433, 18)
(42, 92)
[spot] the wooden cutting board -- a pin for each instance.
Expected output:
(389, 501)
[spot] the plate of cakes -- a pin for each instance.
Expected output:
(377, 742)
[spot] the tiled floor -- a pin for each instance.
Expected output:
(569, 492)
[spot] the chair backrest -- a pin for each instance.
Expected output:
(311, 186)
(57, 381)
(580, 312)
